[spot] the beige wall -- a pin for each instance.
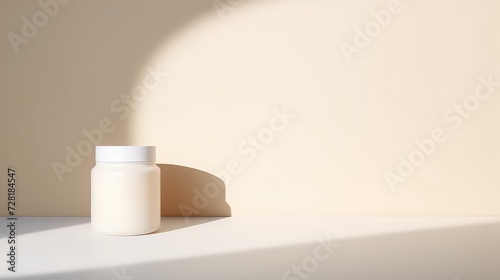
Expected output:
(288, 102)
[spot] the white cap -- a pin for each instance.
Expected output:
(125, 153)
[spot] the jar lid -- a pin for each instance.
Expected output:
(125, 153)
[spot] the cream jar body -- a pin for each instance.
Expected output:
(125, 191)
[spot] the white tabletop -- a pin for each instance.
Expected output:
(424, 248)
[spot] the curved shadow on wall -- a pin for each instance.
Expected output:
(103, 48)
(189, 192)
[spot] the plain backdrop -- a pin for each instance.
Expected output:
(290, 107)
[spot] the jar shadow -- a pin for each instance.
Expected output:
(189, 192)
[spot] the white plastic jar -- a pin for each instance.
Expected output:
(125, 190)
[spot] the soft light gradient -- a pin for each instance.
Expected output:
(227, 79)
